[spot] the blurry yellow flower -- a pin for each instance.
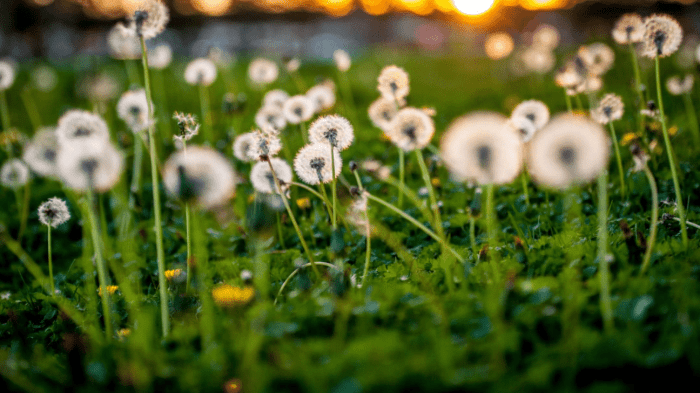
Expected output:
(173, 273)
(628, 138)
(228, 296)
(11, 136)
(122, 333)
(435, 182)
(673, 131)
(233, 385)
(251, 198)
(110, 288)
(304, 203)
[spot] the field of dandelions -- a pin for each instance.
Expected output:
(391, 222)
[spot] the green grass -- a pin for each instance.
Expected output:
(539, 329)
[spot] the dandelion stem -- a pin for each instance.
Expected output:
(654, 218)
(132, 72)
(5, 118)
(187, 232)
(692, 117)
(417, 224)
(333, 185)
(618, 158)
(24, 211)
(568, 102)
(30, 106)
(671, 158)
(472, 234)
(160, 254)
(294, 273)
(294, 221)
(603, 269)
(53, 288)
(523, 179)
(401, 177)
(492, 230)
(302, 129)
(637, 77)
(206, 114)
(138, 162)
(579, 103)
(99, 262)
(279, 231)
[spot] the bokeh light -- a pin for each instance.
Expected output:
(473, 7)
(499, 45)
(212, 7)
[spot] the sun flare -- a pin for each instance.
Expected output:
(473, 7)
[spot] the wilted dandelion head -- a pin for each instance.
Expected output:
(313, 163)
(597, 57)
(266, 144)
(275, 97)
(200, 71)
(525, 127)
(264, 181)
(271, 117)
(393, 83)
(122, 43)
(322, 96)
(571, 149)
(187, 126)
(482, 148)
(7, 75)
(629, 29)
(133, 108)
(498, 45)
(678, 86)
(411, 129)
(149, 19)
(533, 110)
(332, 129)
(53, 212)
(610, 108)
(546, 37)
(241, 146)
(662, 36)
(342, 60)
(14, 173)
(160, 57)
(91, 164)
(262, 71)
(538, 60)
(41, 152)
(298, 109)
(381, 112)
(78, 125)
(201, 175)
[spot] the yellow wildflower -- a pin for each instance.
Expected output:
(110, 288)
(628, 138)
(304, 203)
(173, 273)
(673, 131)
(435, 182)
(228, 296)
(232, 386)
(122, 333)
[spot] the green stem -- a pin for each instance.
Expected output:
(604, 270)
(24, 211)
(671, 156)
(99, 262)
(368, 250)
(160, 254)
(692, 117)
(492, 230)
(568, 102)
(30, 106)
(280, 236)
(53, 287)
(401, 177)
(132, 72)
(472, 234)
(294, 273)
(579, 103)
(333, 186)
(523, 179)
(654, 218)
(302, 129)
(637, 77)
(4, 112)
(138, 160)
(189, 247)
(618, 158)
(206, 114)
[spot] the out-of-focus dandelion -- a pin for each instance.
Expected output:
(242, 145)
(524, 126)
(271, 117)
(222, 58)
(411, 129)
(313, 164)
(77, 125)
(322, 96)
(149, 19)
(7, 75)
(90, 166)
(175, 275)
(342, 60)
(535, 111)
(160, 57)
(381, 113)
(298, 109)
(610, 109)
(677, 86)
(546, 37)
(14, 173)
(498, 45)
(41, 152)
(102, 88)
(538, 60)
(262, 71)
(275, 97)
(597, 57)
(187, 127)
(629, 29)
(111, 290)
(53, 213)
(293, 65)
(200, 175)
(228, 296)
(333, 129)
(44, 78)
(133, 108)
(393, 83)
(265, 144)
(122, 44)
(263, 180)
(201, 72)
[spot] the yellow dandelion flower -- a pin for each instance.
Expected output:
(304, 203)
(110, 288)
(123, 333)
(228, 296)
(628, 138)
(435, 182)
(673, 131)
(233, 386)
(173, 274)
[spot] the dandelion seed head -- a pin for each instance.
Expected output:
(629, 29)
(102, 88)
(538, 60)
(483, 148)
(298, 109)
(271, 117)
(262, 179)
(598, 58)
(123, 44)
(44, 78)
(276, 98)
(610, 108)
(266, 144)
(187, 126)
(90, 164)
(200, 71)
(133, 108)
(570, 76)
(677, 86)
(201, 175)
(571, 149)
(293, 65)
(53, 212)
(41, 152)
(78, 125)
(342, 60)
(149, 19)
(262, 71)
(332, 129)
(313, 163)
(160, 57)
(14, 173)
(381, 113)
(393, 83)
(662, 36)
(535, 111)
(411, 129)
(546, 37)
(241, 146)
(7, 75)
(322, 96)
(525, 127)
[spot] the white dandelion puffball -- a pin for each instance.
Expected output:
(535, 111)
(241, 146)
(200, 71)
(149, 19)
(597, 57)
(298, 109)
(546, 37)
(332, 129)
(293, 65)
(411, 129)
(90, 165)
(220, 57)
(263, 71)
(77, 125)
(610, 108)
(264, 181)
(187, 126)
(524, 126)
(7, 75)
(697, 54)
(53, 212)
(662, 36)
(266, 144)
(44, 78)
(381, 112)
(271, 117)
(322, 96)
(102, 88)
(201, 175)
(677, 86)
(342, 60)
(592, 84)
(134, 109)
(123, 44)
(570, 75)
(14, 173)
(571, 149)
(539, 60)
(393, 83)
(482, 148)
(160, 57)
(629, 29)
(275, 97)
(41, 152)
(313, 163)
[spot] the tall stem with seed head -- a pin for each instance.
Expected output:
(333, 185)
(654, 217)
(99, 262)
(53, 288)
(618, 158)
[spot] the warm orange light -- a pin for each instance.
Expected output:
(473, 7)
(499, 45)
(375, 7)
(212, 7)
(537, 4)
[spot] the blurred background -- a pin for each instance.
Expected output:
(60, 29)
